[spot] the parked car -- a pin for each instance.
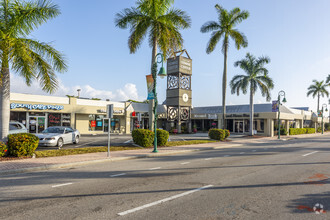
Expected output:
(16, 127)
(58, 136)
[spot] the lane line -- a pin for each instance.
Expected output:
(64, 184)
(155, 168)
(309, 153)
(126, 142)
(86, 143)
(242, 153)
(163, 200)
(120, 174)
(226, 156)
(208, 158)
(185, 163)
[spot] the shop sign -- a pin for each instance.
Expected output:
(240, 115)
(36, 107)
(199, 116)
(212, 116)
(93, 124)
(275, 106)
(118, 111)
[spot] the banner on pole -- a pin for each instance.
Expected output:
(150, 86)
(275, 106)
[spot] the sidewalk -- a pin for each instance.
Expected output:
(37, 164)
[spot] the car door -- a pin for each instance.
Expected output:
(69, 136)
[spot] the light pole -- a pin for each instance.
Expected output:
(326, 109)
(280, 93)
(162, 74)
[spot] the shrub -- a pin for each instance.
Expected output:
(310, 130)
(283, 131)
(327, 126)
(319, 129)
(217, 134)
(143, 137)
(3, 149)
(296, 131)
(162, 137)
(227, 133)
(23, 144)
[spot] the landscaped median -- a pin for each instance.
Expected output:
(86, 150)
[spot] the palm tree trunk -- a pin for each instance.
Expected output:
(318, 102)
(251, 110)
(224, 85)
(4, 103)
(152, 101)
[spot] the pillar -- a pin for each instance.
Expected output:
(287, 126)
(189, 125)
(270, 127)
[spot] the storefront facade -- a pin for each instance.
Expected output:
(38, 112)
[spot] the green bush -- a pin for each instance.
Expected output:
(227, 133)
(297, 131)
(283, 131)
(3, 149)
(162, 137)
(143, 137)
(327, 126)
(217, 134)
(23, 144)
(310, 130)
(319, 129)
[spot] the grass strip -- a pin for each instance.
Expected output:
(178, 143)
(86, 150)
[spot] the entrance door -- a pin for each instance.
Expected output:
(105, 125)
(36, 124)
(239, 126)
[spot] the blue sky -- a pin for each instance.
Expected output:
(295, 35)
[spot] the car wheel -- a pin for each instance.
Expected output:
(76, 141)
(60, 143)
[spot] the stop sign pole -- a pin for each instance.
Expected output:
(109, 116)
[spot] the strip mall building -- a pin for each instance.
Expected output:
(38, 112)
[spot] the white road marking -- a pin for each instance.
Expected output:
(155, 168)
(185, 163)
(64, 184)
(120, 174)
(226, 156)
(309, 153)
(208, 158)
(242, 153)
(86, 144)
(163, 200)
(128, 141)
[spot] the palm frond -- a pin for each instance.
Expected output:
(239, 39)
(211, 45)
(210, 26)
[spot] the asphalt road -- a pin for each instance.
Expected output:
(274, 180)
(119, 140)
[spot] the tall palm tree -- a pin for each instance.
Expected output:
(225, 28)
(162, 24)
(31, 59)
(256, 77)
(319, 88)
(328, 79)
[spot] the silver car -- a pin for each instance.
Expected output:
(58, 136)
(16, 127)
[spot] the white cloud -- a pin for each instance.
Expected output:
(129, 91)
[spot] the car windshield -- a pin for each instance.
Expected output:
(54, 130)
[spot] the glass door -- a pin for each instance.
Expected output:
(33, 125)
(37, 124)
(105, 125)
(239, 126)
(41, 124)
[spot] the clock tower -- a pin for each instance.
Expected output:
(178, 94)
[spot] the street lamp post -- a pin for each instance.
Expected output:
(280, 93)
(326, 109)
(162, 74)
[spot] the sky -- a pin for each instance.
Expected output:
(294, 34)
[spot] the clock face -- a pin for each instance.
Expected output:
(185, 97)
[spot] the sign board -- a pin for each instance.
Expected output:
(93, 124)
(275, 106)
(110, 111)
(139, 116)
(319, 113)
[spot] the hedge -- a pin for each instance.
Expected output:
(143, 137)
(162, 137)
(3, 149)
(296, 131)
(22, 144)
(218, 134)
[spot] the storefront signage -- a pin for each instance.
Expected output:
(199, 116)
(212, 116)
(241, 116)
(36, 107)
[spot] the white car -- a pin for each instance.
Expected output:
(16, 127)
(58, 136)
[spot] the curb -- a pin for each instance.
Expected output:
(73, 164)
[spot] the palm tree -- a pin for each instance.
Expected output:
(160, 22)
(319, 88)
(256, 77)
(31, 59)
(328, 79)
(225, 28)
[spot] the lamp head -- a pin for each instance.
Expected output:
(284, 100)
(162, 72)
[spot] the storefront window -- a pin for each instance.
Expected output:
(54, 119)
(259, 125)
(246, 125)
(115, 124)
(18, 116)
(92, 122)
(66, 120)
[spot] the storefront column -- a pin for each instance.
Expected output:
(315, 126)
(73, 120)
(203, 127)
(301, 123)
(270, 127)
(219, 122)
(178, 127)
(189, 127)
(287, 126)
